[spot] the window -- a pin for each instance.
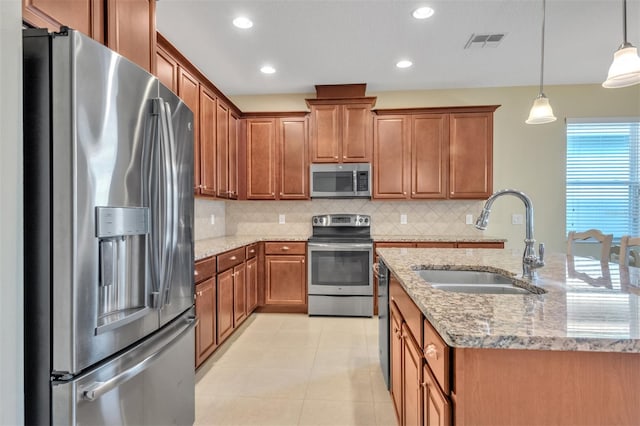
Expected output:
(603, 176)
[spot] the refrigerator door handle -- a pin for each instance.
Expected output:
(173, 202)
(95, 390)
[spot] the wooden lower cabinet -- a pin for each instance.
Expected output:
(285, 280)
(239, 294)
(411, 379)
(396, 360)
(225, 304)
(436, 408)
(252, 285)
(206, 314)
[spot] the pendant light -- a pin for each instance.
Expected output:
(625, 69)
(541, 111)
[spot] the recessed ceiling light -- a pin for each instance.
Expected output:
(243, 22)
(404, 64)
(268, 69)
(423, 13)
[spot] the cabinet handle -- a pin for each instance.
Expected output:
(281, 193)
(232, 258)
(335, 156)
(414, 192)
(252, 251)
(285, 248)
(344, 156)
(195, 273)
(431, 351)
(302, 261)
(273, 193)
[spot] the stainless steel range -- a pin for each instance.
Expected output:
(340, 277)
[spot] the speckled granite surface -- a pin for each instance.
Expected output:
(437, 238)
(213, 246)
(588, 306)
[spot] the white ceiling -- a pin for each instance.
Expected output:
(313, 42)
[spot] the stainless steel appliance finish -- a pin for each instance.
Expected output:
(347, 180)
(108, 248)
(383, 321)
(340, 257)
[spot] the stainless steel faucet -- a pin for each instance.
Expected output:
(530, 261)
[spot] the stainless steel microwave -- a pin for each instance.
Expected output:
(349, 180)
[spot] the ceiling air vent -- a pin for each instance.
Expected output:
(479, 41)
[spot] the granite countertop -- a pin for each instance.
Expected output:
(588, 306)
(438, 238)
(214, 246)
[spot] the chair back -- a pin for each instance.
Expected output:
(604, 239)
(626, 242)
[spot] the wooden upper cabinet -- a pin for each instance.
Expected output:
(222, 148)
(471, 155)
(341, 130)
(293, 159)
(86, 16)
(189, 92)
(131, 30)
(207, 152)
(167, 69)
(232, 164)
(429, 155)
(261, 159)
(390, 154)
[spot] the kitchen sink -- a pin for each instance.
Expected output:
(478, 282)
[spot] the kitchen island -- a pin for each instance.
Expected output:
(568, 356)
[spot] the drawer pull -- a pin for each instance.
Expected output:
(195, 273)
(232, 258)
(252, 251)
(431, 351)
(285, 248)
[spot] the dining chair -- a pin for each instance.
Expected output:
(626, 242)
(605, 241)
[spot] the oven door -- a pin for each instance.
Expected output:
(340, 269)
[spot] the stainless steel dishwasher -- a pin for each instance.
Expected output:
(383, 319)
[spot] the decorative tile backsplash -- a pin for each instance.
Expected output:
(203, 209)
(261, 217)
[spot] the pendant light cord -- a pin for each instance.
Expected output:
(542, 53)
(624, 23)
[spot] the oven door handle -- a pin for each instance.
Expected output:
(340, 246)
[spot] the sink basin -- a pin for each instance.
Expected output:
(479, 282)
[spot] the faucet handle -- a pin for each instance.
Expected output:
(541, 252)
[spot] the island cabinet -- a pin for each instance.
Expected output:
(285, 286)
(128, 27)
(231, 292)
(341, 130)
(277, 157)
(433, 153)
(205, 298)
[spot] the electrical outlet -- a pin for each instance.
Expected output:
(281, 220)
(469, 219)
(403, 219)
(213, 219)
(516, 219)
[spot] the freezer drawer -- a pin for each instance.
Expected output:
(149, 384)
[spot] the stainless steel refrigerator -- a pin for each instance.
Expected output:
(108, 201)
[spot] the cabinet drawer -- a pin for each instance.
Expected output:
(481, 245)
(230, 259)
(409, 311)
(251, 250)
(285, 248)
(204, 269)
(436, 352)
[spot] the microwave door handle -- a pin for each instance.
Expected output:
(355, 182)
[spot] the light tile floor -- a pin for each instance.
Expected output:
(292, 369)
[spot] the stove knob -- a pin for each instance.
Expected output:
(315, 220)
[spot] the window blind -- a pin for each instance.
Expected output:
(603, 176)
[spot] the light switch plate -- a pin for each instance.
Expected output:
(516, 219)
(213, 219)
(281, 220)
(403, 219)
(469, 219)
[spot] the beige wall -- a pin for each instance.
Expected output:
(528, 158)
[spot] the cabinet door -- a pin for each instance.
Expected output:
(436, 406)
(471, 155)
(189, 92)
(261, 161)
(167, 69)
(429, 155)
(395, 337)
(391, 146)
(285, 282)
(86, 16)
(206, 314)
(239, 294)
(325, 133)
(207, 142)
(411, 379)
(131, 30)
(222, 147)
(294, 163)
(232, 164)
(356, 133)
(225, 304)
(252, 284)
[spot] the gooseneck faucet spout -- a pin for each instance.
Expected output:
(530, 261)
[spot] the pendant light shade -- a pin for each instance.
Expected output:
(541, 111)
(625, 69)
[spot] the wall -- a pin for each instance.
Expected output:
(203, 209)
(11, 258)
(528, 158)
